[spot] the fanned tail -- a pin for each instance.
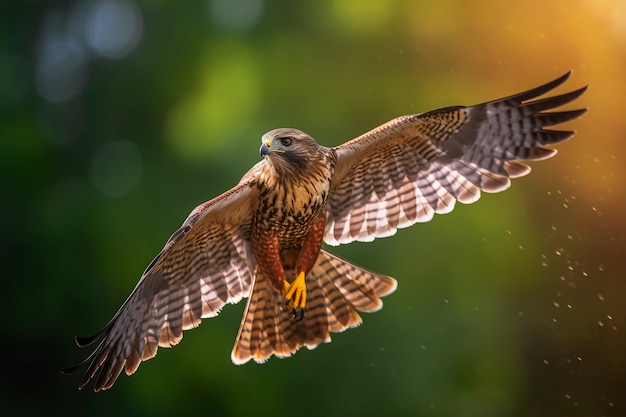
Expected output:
(336, 291)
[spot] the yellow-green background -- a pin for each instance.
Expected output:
(513, 306)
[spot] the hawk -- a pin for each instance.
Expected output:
(262, 240)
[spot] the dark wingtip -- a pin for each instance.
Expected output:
(70, 371)
(577, 93)
(86, 341)
(538, 91)
(83, 342)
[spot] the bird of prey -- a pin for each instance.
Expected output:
(262, 239)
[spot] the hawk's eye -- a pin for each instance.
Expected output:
(286, 141)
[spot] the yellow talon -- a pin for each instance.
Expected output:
(296, 292)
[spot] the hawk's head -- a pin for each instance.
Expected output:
(290, 148)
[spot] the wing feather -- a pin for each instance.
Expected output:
(414, 166)
(204, 265)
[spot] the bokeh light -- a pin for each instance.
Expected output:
(108, 28)
(113, 28)
(61, 61)
(236, 15)
(225, 98)
(116, 168)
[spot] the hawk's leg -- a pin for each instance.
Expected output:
(295, 293)
(267, 252)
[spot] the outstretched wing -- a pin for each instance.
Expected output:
(204, 265)
(414, 166)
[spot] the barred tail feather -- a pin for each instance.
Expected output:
(336, 291)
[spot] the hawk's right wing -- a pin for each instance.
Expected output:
(204, 265)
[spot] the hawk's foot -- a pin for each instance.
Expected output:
(295, 294)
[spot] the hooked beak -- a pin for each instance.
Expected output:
(265, 149)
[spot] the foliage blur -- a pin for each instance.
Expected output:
(120, 116)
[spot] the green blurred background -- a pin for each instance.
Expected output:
(118, 117)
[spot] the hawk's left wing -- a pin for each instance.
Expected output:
(414, 166)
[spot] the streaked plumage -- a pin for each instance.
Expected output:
(269, 227)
